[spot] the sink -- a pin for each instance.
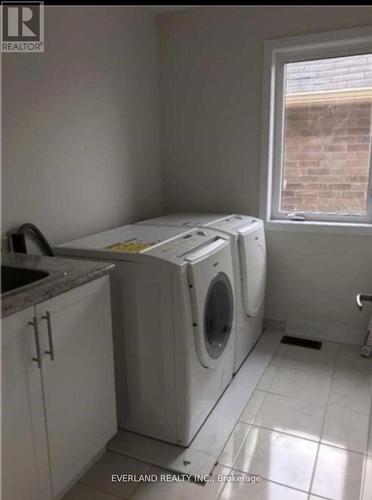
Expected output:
(13, 278)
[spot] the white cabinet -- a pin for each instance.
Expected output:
(25, 468)
(79, 381)
(72, 391)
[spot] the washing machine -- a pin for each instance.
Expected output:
(173, 323)
(249, 260)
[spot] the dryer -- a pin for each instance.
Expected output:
(249, 260)
(173, 323)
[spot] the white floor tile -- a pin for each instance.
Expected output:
(215, 431)
(161, 490)
(305, 359)
(367, 478)
(84, 492)
(267, 378)
(234, 444)
(349, 364)
(350, 361)
(350, 350)
(285, 459)
(253, 407)
(165, 455)
(345, 429)
(315, 497)
(293, 416)
(278, 354)
(305, 385)
(265, 490)
(338, 474)
(202, 454)
(330, 347)
(351, 392)
(100, 474)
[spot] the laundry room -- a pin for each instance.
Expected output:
(186, 273)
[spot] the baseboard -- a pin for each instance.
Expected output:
(345, 332)
(274, 324)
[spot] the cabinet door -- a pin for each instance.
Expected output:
(79, 382)
(25, 468)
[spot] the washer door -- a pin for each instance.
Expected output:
(210, 281)
(218, 316)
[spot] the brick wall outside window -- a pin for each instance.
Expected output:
(326, 162)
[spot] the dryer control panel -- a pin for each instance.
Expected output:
(234, 223)
(189, 246)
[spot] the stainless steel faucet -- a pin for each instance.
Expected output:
(367, 345)
(362, 297)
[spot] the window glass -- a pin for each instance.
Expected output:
(326, 154)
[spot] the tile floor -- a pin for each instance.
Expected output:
(304, 431)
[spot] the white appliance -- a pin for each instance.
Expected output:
(249, 261)
(173, 320)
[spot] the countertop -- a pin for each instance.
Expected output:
(65, 274)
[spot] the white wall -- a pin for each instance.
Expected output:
(81, 137)
(211, 84)
(81, 123)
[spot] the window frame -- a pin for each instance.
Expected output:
(277, 53)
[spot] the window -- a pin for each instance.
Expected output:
(318, 151)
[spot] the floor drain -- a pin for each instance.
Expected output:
(311, 344)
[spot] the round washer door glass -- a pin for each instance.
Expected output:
(218, 315)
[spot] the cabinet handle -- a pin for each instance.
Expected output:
(47, 317)
(34, 323)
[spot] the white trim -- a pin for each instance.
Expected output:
(333, 38)
(319, 227)
(369, 188)
(266, 134)
(276, 54)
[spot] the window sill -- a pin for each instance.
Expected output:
(319, 227)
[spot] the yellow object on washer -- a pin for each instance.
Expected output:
(131, 246)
